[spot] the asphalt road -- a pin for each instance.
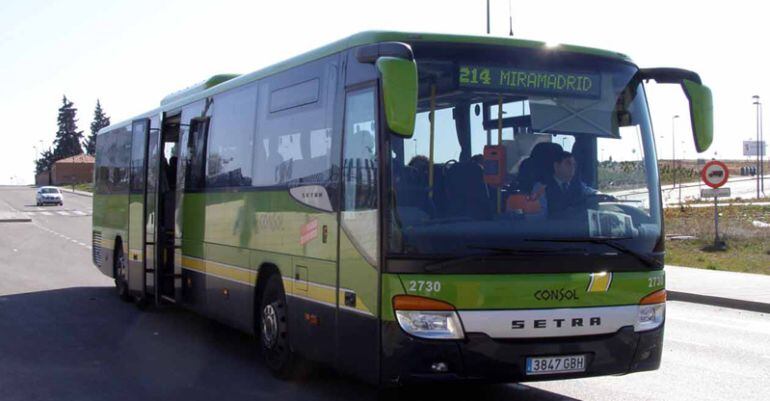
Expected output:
(740, 187)
(66, 336)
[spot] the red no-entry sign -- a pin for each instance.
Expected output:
(714, 174)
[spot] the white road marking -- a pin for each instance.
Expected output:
(61, 236)
(668, 338)
(63, 213)
(79, 213)
(46, 213)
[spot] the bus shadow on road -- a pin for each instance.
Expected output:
(83, 343)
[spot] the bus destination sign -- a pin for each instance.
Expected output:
(531, 82)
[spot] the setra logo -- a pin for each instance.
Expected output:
(561, 294)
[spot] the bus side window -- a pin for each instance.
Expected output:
(359, 165)
(196, 163)
(359, 174)
(294, 126)
(231, 135)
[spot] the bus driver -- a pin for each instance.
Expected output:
(562, 192)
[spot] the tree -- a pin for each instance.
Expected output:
(45, 162)
(67, 142)
(101, 120)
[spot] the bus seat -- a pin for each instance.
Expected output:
(411, 196)
(466, 192)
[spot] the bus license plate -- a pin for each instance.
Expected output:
(556, 364)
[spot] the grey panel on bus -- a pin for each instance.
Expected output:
(540, 323)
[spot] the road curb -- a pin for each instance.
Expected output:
(16, 220)
(79, 193)
(719, 301)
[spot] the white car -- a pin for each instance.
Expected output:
(52, 195)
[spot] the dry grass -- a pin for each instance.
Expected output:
(748, 246)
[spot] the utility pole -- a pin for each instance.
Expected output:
(759, 147)
(673, 154)
(684, 154)
(762, 149)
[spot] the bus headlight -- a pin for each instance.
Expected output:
(427, 318)
(430, 324)
(651, 312)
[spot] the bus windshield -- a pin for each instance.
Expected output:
(526, 148)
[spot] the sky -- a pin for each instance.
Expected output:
(130, 54)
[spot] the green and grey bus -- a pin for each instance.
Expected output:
(386, 205)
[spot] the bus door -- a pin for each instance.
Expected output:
(168, 279)
(137, 249)
(151, 212)
(161, 196)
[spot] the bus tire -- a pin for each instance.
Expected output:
(274, 330)
(121, 284)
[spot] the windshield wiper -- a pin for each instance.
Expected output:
(608, 241)
(497, 253)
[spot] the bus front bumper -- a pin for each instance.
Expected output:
(479, 357)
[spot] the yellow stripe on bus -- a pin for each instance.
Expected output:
(315, 292)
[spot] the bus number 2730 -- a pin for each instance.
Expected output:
(424, 286)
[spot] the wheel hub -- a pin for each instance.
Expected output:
(269, 326)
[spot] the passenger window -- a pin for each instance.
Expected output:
(196, 163)
(139, 134)
(295, 95)
(294, 136)
(118, 159)
(231, 138)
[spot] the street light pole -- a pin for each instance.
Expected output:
(759, 148)
(487, 17)
(673, 154)
(684, 154)
(762, 149)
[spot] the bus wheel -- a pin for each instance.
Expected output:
(274, 330)
(120, 274)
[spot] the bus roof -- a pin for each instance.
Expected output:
(204, 89)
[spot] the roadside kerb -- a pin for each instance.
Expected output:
(13, 217)
(66, 190)
(8, 214)
(719, 301)
(745, 291)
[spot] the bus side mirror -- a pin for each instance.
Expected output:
(699, 96)
(399, 93)
(701, 113)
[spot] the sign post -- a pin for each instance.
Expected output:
(757, 148)
(715, 174)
